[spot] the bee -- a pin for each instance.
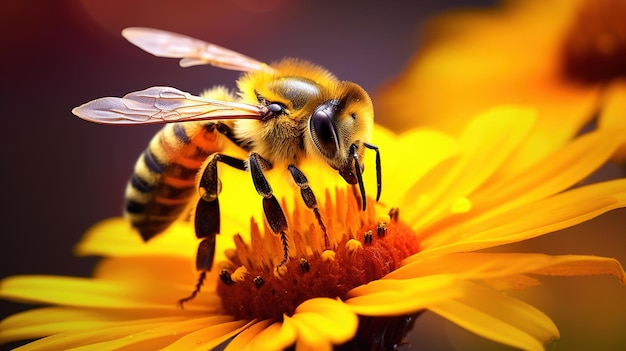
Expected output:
(284, 113)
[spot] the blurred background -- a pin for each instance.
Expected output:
(62, 174)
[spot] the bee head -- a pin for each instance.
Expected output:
(338, 128)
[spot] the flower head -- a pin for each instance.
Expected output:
(565, 58)
(444, 199)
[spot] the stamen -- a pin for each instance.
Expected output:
(328, 255)
(240, 274)
(304, 265)
(225, 277)
(394, 214)
(352, 246)
(381, 229)
(256, 289)
(368, 237)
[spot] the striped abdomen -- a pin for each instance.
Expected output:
(164, 178)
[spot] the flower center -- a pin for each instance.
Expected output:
(595, 47)
(362, 248)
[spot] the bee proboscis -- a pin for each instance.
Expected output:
(284, 113)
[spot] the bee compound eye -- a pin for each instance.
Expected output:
(323, 130)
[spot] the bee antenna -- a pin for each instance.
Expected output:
(359, 177)
(379, 182)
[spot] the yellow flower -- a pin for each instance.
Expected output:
(365, 282)
(566, 58)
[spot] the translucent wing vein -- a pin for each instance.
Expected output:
(163, 105)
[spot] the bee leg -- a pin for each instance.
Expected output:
(309, 198)
(196, 290)
(207, 217)
(274, 214)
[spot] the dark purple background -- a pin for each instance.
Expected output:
(61, 174)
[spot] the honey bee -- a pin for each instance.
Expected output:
(284, 113)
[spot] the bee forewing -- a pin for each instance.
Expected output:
(191, 51)
(164, 105)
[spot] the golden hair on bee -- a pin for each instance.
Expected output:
(283, 114)
(301, 86)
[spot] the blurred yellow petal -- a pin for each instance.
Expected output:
(472, 60)
(73, 291)
(135, 334)
(613, 115)
(174, 269)
(498, 317)
(51, 320)
(115, 237)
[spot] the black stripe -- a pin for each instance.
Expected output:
(148, 229)
(135, 207)
(153, 164)
(181, 133)
(140, 185)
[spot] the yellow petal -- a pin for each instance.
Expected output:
(277, 336)
(152, 268)
(73, 291)
(151, 333)
(535, 219)
(208, 336)
(474, 265)
(179, 273)
(584, 265)
(115, 237)
(389, 297)
(489, 139)
(498, 317)
(51, 320)
(551, 175)
(613, 115)
(331, 317)
(308, 336)
(243, 339)
(406, 158)
(94, 339)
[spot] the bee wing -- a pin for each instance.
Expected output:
(164, 105)
(191, 51)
